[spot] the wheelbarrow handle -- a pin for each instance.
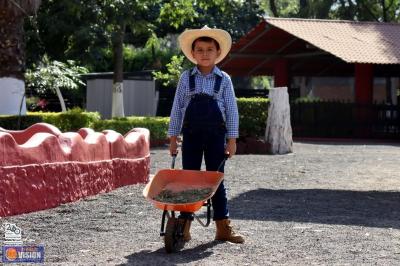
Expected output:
(173, 160)
(226, 157)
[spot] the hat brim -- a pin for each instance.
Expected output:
(189, 36)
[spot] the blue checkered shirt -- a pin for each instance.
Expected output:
(205, 84)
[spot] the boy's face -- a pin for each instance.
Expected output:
(205, 53)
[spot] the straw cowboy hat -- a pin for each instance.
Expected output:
(188, 36)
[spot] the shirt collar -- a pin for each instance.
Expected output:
(215, 71)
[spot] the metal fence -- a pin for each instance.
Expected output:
(336, 120)
(324, 119)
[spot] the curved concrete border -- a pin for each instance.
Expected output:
(41, 168)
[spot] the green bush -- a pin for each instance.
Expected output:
(71, 120)
(252, 116)
(13, 122)
(158, 126)
(252, 119)
(308, 99)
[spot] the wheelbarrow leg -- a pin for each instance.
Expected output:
(165, 214)
(208, 204)
(173, 236)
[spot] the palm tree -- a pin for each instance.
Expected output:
(12, 53)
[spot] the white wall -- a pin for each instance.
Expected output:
(11, 93)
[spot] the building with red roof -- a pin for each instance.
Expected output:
(347, 60)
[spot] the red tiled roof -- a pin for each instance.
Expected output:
(353, 42)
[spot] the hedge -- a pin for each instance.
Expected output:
(72, 120)
(252, 119)
(252, 116)
(158, 126)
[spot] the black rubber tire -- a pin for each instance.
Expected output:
(173, 238)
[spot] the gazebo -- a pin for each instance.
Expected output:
(285, 48)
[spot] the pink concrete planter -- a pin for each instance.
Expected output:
(41, 168)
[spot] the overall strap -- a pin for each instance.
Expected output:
(217, 85)
(192, 81)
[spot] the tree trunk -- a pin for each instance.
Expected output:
(61, 99)
(12, 54)
(278, 133)
(12, 60)
(384, 11)
(272, 6)
(304, 7)
(117, 109)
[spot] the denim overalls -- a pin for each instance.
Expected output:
(204, 132)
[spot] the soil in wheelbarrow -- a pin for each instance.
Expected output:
(184, 196)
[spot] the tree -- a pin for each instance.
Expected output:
(67, 30)
(368, 10)
(12, 53)
(119, 15)
(236, 17)
(55, 75)
(318, 9)
(358, 10)
(87, 27)
(86, 30)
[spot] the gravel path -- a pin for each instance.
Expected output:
(325, 204)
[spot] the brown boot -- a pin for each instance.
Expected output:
(186, 230)
(226, 233)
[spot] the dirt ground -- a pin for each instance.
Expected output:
(324, 204)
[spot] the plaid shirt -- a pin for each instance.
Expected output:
(205, 84)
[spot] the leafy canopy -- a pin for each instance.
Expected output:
(50, 75)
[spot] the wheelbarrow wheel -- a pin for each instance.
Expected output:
(173, 238)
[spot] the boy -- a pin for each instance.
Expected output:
(205, 111)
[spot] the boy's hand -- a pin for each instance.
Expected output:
(173, 145)
(230, 147)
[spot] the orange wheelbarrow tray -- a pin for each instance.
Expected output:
(180, 180)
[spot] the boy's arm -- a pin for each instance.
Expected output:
(232, 117)
(175, 120)
(230, 147)
(173, 145)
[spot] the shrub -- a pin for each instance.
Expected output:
(252, 119)
(308, 99)
(72, 120)
(14, 122)
(252, 116)
(158, 126)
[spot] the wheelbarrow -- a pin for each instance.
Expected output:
(180, 180)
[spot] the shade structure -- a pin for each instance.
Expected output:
(316, 48)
